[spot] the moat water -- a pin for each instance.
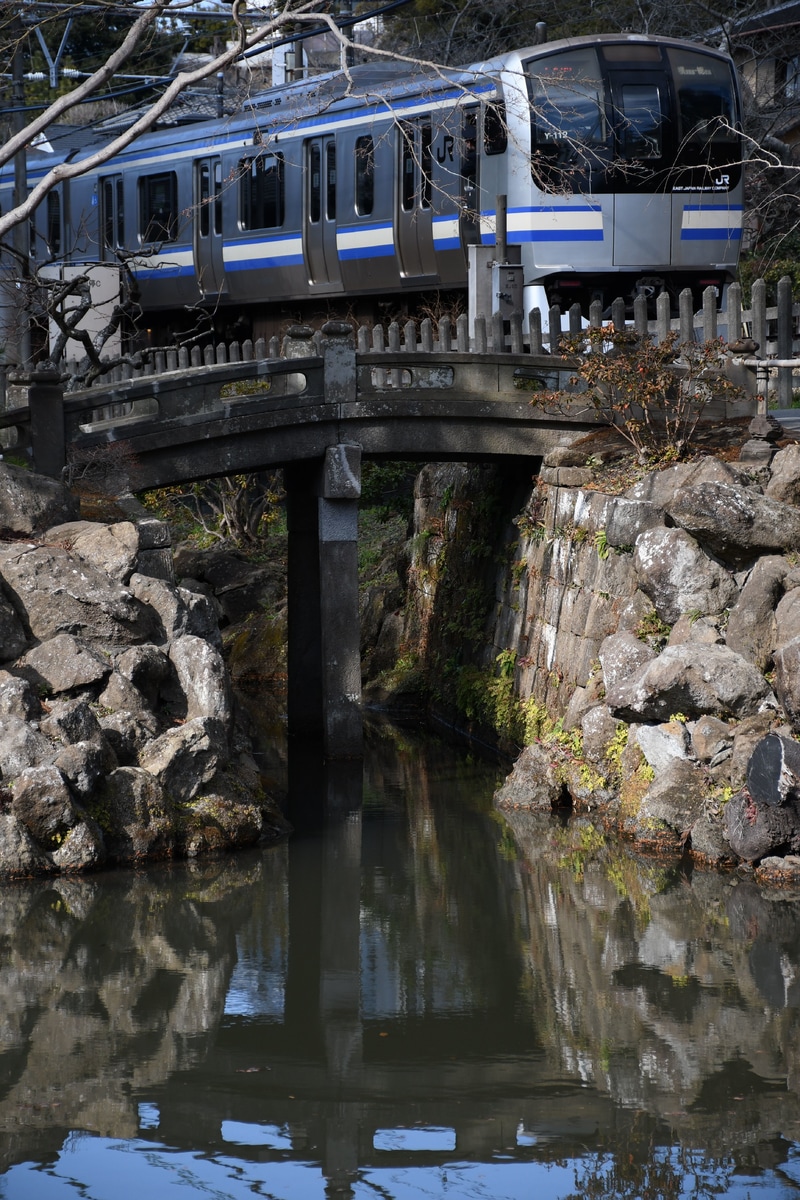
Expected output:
(424, 999)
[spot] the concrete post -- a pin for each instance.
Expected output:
(46, 405)
(340, 624)
(324, 688)
(304, 693)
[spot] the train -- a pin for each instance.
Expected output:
(360, 193)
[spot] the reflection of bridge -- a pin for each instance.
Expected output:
(328, 1085)
(316, 414)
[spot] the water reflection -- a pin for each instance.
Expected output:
(414, 998)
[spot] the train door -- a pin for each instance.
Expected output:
(414, 213)
(112, 217)
(642, 208)
(320, 202)
(207, 198)
(469, 168)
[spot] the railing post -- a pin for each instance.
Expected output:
(686, 311)
(663, 325)
(46, 404)
(785, 341)
(710, 314)
(339, 359)
(758, 303)
(535, 325)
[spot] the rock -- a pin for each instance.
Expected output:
(13, 638)
(63, 663)
(57, 593)
(735, 522)
(179, 611)
(671, 805)
(754, 831)
(121, 694)
(535, 783)
(784, 484)
(702, 630)
(691, 679)
(85, 764)
(787, 680)
(598, 729)
(751, 629)
(662, 487)
(663, 744)
(19, 854)
(221, 819)
(128, 733)
(746, 735)
(773, 773)
(622, 656)
(708, 840)
(147, 668)
(21, 747)
(70, 721)
(137, 818)
(712, 739)
(185, 758)
(678, 577)
(82, 849)
(112, 549)
(203, 679)
(43, 803)
(30, 503)
(18, 698)
(785, 624)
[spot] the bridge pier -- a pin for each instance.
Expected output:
(324, 688)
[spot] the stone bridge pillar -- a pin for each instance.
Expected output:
(324, 691)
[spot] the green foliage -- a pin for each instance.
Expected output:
(652, 630)
(653, 394)
(389, 488)
(240, 509)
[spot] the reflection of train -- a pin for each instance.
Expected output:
(619, 157)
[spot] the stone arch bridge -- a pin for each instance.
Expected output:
(316, 413)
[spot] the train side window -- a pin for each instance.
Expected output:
(495, 130)
(261, 192)
(54, 222)
(218, 198)
(425, 150)
(120, 199)
(640, 121)
(330, 181)
(365, 176)
(314, 183)
(407, 179)
(203, 198)
(158, 207)
(112, 199)
(469, 148)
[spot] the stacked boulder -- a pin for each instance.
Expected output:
(698, 663)
(117, 738)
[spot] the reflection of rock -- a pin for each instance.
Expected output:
(106, 993)
(657, 985)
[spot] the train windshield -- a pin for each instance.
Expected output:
(633, 117)
(568, 104)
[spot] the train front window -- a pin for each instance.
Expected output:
(568, 103)
(640, 121)
(708, 115)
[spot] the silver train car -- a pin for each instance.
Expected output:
(360, 193)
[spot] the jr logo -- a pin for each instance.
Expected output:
(722, 181)
(444, 152)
